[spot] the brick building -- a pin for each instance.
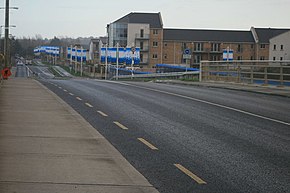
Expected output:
(163, 45)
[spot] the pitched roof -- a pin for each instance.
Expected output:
(154, 19)
(265, 34)
(207, 35)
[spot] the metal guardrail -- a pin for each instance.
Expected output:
(250, 72)
(174, 75)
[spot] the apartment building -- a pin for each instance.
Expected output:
(279, 47)
(166, 45)
(142, 30)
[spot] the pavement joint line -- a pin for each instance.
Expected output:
(78, 98)
(209, 103)
(89, 105)
(71, 94)
(103, 114)
(190, 174)
(148, 144)
(120, 125)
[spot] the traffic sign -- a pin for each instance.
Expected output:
(186, 51)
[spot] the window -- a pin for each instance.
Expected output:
(197, 58)
(240, 49)
(183, 46)
(281, 58)
(252, 46)
(141, 57)
(154, 56)
(282, 47)
(274, 58)
(274, 47)
(165, 56)
(198, 46)
(214, 58)
(240, 58)
(141, 45)
(263, 46)
(155, 31)
(215, 47)
(155, 44)
(165, 44)
(262, 58)
(252, 57)
(141, 33)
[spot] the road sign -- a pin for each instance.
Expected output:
(186, 56)
(186, 52)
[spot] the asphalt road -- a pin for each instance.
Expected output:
(186, 139)
(21, 71)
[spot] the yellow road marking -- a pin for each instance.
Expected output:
(89, 105)
(148, 144)
(120, 125)
(71, 94)
(79, 98)
(190, 174)
(103, 114)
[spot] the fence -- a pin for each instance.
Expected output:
(250, 72)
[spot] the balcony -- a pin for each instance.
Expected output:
(142, 36)
(144, 49)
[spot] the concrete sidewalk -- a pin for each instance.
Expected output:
(255, 88)
(46, 147)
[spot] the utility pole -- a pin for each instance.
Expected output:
(6, 47)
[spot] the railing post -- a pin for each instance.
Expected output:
(266, 75)
(239, 73)
(200, 72)
(252, 75)
(281, 75)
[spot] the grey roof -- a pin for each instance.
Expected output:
(265, 34)
(207, 35)
(154, 19)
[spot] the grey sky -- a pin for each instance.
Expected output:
(83, 18)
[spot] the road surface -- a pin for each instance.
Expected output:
(187, 139)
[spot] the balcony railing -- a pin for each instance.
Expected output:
(142, 36)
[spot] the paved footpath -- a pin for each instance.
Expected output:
(47, 147)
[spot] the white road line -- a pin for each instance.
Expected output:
(89, 105)
(120, 125)
(79, 98)
(103, 114)
(206, 102)
(71, 94)
(64, 90)
(148, 144)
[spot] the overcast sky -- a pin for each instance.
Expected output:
(84, 18)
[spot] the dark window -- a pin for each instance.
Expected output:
(215, 47)
(282, 47)
(240, 48)
(274, 58)
(155, 44)
(141, 45)
(154, 56)
(198, 46)
(281, 58)
(142, 33)
(165, 56)
(155, 31)
(263, 46)
(274, 46)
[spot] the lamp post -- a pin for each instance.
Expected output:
(6, 46)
